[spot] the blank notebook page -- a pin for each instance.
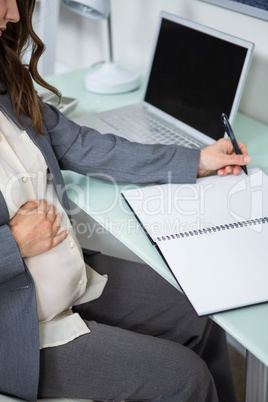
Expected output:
(213, 235)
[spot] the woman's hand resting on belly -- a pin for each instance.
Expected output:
(35, 228)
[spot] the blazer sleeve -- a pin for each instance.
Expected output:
(86, 151)
(11, 263)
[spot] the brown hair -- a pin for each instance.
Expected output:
(15, 74)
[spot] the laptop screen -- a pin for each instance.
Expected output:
(196, 76)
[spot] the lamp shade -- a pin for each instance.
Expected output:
(96, 9)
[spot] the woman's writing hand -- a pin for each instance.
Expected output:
(35, 228)
(221, 158)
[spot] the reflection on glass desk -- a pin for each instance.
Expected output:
(102, 201)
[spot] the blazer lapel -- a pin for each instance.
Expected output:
(43, 143)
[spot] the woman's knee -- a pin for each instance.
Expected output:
(178, 374)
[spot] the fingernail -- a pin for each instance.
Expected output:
(247, 159)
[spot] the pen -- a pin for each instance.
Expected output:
(229, 131)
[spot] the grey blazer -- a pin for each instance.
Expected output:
(65, 145)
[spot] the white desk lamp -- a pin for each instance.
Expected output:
(107, 78)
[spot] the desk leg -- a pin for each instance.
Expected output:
(256, 380)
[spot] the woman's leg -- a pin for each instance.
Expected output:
(127, 364)
(115, 364)
(138, 299)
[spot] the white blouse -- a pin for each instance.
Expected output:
(60, 275)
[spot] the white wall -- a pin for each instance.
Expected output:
(81, 41)
(45, 23)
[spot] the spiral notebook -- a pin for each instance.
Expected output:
(213, 236)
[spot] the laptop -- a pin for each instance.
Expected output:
(195, 74)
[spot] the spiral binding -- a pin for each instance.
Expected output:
(218, 228)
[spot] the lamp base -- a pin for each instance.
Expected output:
(109, 78)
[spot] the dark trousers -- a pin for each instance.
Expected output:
(146, 343)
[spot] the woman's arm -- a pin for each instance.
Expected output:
(108, 156)
(11, 262)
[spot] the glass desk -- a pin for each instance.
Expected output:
(102, 201)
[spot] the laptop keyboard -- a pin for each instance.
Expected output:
(141, 126)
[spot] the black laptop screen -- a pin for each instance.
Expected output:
(194, 76)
